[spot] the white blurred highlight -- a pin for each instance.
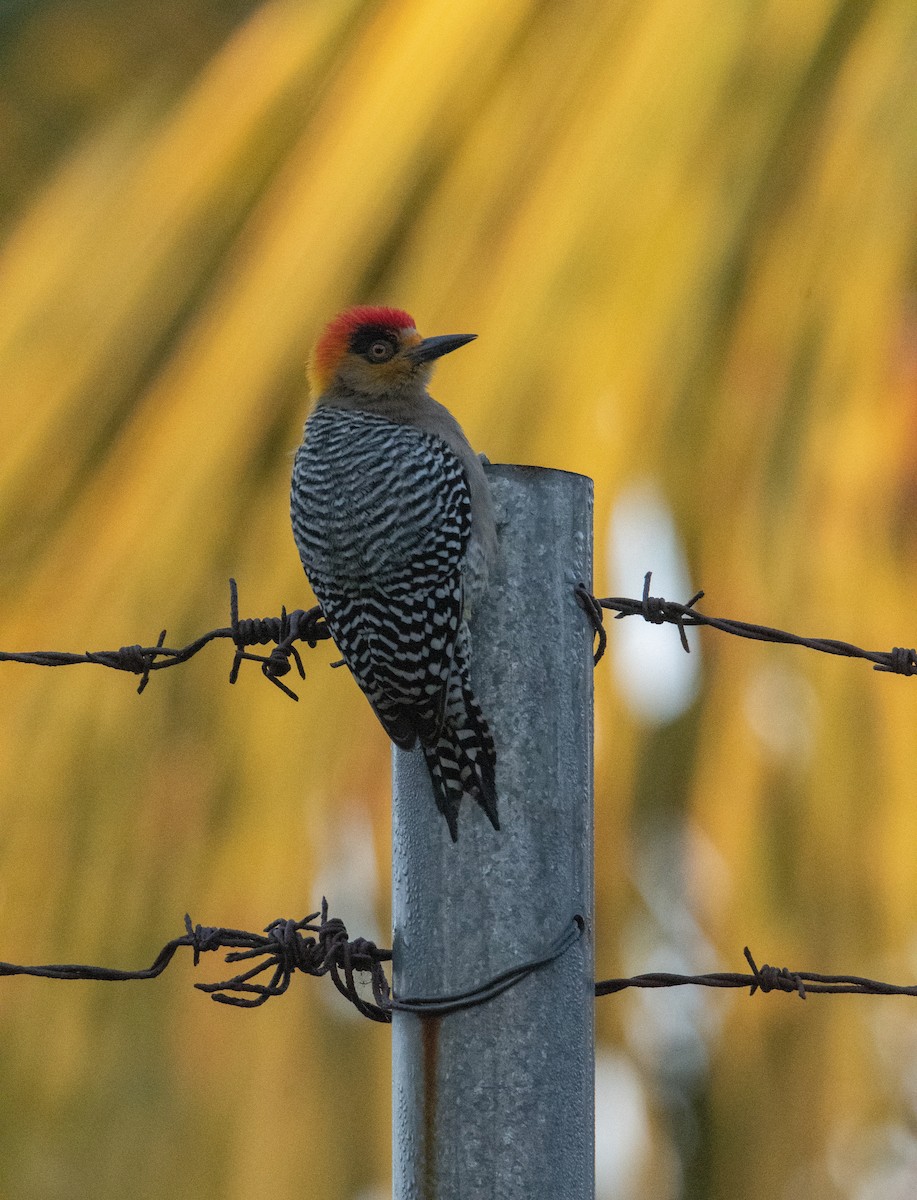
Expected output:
(622, 1130)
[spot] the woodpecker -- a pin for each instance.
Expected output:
(394, 522)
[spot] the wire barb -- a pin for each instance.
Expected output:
(285, 950)
(290, 627)
(771, 979)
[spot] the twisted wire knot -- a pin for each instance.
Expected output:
(202, 938)
(256, 631)
(133, 658)
(902, 661)
(774, 979)
(293, 951)
(654, 609)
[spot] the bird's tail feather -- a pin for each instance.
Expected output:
(462, 761)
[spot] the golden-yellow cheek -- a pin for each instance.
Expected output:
(376, 379)
(391, 375)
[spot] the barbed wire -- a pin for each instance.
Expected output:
(319, 945)
(284, 946)
(287, 946)
(657, 611)
(765, 979)
(306, 626)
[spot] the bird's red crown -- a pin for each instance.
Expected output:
(335, 339)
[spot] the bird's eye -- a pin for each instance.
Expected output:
(380, 351)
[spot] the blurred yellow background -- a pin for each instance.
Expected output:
(685, 233)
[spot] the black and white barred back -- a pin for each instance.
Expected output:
(382, 518)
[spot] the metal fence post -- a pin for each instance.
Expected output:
(496, 1102)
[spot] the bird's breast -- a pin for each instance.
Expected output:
(375, 503)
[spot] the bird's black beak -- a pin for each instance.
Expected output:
(435, 347)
